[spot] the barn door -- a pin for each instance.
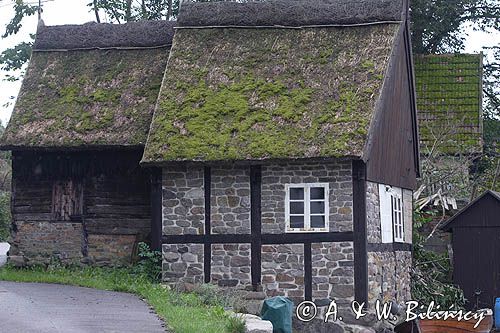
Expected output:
(476, 264)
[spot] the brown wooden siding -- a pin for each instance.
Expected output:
(476, 255)
(393, 152)
(116, 191)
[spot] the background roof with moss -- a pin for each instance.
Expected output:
(90, 85)
(251, 93)
(449, 102)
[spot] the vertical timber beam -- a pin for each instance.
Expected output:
(307, 271)
(256, 223)
(156, 209)
(207, 247)
(360, 233)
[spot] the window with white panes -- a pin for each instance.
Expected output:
(397, 216)
(306, 207)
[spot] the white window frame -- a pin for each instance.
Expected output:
(397, 215)
(391, 214)
(307, 203)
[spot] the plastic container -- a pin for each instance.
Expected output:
(497, 313)
(279, 311)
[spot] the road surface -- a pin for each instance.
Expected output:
(44, 308)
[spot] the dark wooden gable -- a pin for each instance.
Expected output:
(482, 212)
(392, 151)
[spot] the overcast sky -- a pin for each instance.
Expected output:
(58, 12)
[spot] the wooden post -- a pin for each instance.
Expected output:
(156, 209)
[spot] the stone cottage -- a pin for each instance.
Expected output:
(286, 136)
(77, 135)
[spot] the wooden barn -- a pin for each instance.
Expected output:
(77, 135)
(476, 247)
(287, 141)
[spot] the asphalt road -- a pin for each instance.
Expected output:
(43, 308)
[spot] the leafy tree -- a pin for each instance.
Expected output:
(438, 27)
(437, 24)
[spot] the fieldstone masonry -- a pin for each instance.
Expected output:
(337, 174)
(42, 242)
(282, 266)
(231, 265)
(333, 272)
(183, 200)
(283, 271)
(182, 263)
(389, 276)
(230, 200)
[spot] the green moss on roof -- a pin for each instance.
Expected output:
(236, 94)
(449, 98)
(87, 98)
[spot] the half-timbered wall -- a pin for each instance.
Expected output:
(388, 263)
(92, 207)
(225, 224)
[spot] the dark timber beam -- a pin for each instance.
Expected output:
(256, 224)
(207, 247)
(360, 234)
(266, 239)
(156, 209)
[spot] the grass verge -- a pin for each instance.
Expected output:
(183, 313)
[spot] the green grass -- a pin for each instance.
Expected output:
(183, 313)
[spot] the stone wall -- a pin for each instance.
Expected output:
(373, 228)
(230, 200)
(230, 265)
(111, 250)
(183, 200)
(283, 271)
(274, 177)
(389, 276)
(43, 242)
(183, 263)
(333, 272)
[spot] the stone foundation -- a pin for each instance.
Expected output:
(111, 250)
(43, 242)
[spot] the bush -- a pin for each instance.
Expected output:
(149, 263)
(431, 272)
(5, 217)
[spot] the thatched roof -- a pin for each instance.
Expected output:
(449, 100)
(92, 85)
(249, 93)
(289, 12)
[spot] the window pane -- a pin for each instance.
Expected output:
(296, 208)
(317, 221)
(296, 193)
(317, 207)
(296, 221)
(317, 193)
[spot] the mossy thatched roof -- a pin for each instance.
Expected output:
(291, 13)
(449, 102)
(272, 93)
(94, 86)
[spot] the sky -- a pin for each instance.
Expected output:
(58, 12)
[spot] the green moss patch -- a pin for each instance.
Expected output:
(92, 97)
(449, 91)
(235, 94)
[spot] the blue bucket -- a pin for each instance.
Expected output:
(497, 313)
